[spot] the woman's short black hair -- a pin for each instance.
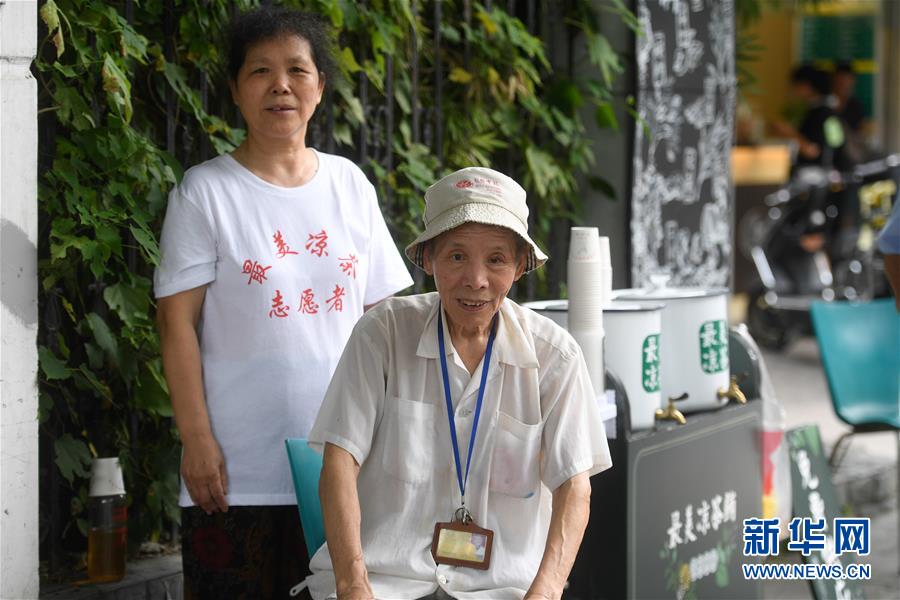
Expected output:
(271, 22)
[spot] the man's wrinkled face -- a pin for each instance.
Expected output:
(474, 266)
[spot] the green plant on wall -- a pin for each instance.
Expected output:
(110, 73)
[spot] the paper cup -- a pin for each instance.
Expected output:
(603, 255)
(584, 244)
(106, 478)
(591, 342)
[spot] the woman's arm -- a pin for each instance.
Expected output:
(202, 464)
(340, 511)
(571, 508)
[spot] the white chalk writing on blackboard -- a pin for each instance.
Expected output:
(682, 193)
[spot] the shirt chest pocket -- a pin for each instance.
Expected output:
(516, 461)
(409, 440)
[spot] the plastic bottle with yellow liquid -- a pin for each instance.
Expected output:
(108, 522)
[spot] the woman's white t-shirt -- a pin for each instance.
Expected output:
(288, 271)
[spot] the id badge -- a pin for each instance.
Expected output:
(462, 545)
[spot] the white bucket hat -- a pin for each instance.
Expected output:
(475, 195)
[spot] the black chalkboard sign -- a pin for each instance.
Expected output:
(814, 496)
(682, 192)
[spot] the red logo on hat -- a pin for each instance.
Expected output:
(464, 183)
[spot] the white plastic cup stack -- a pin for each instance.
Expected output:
(605, 271)
(106, 478)
(588, 293)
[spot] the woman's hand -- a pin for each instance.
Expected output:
(202, 464)
(203, 473)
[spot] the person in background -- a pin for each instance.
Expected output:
(846, 105)
(269, 256)
(458, 425)
(850, 110)
(820, 134)
(889, 244)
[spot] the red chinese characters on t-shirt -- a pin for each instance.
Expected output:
(279, 308)
(317, 242)
(256, 271)
(348, 265)
(308, 304)
(281, 245)
(336, 301)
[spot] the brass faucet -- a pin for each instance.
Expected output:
(732, 392)
(670, 412)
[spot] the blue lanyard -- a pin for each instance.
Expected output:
(484, 371)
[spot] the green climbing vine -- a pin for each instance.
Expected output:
(109, 74)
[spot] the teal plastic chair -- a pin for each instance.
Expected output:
(860, 348)
(306, 464)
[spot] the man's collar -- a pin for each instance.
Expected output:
(512, 346)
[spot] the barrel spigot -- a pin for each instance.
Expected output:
(732, 392)
(670, 413)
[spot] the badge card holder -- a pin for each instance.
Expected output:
(462, 543)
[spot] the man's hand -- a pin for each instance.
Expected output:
(203, 472)
(360, 591)
(569, 517)
(537, 595)
(339, 497)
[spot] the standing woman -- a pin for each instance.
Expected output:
(269, 256)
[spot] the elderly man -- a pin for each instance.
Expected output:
(454, 418)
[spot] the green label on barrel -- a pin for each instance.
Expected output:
(714, 346)
(650, 363)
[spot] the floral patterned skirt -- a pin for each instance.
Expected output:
(248, 552)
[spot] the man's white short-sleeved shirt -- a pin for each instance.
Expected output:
(539, 426)
(288, 272)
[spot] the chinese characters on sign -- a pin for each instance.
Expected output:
(714, 346)
(709, 516)
(650, 364)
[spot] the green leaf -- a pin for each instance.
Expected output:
(131, 302)
(602, 185)
(52, 367)
(50, 15)
(148, 243)
(103, 336)
(149, 395)
(602, 55)
(65, 69)
(566, 97)
(605, 116)
(89, 380)
(117, 86)
(72, 457)
(542, 168)
(45, 407)
(460, 75)
(348, 61)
